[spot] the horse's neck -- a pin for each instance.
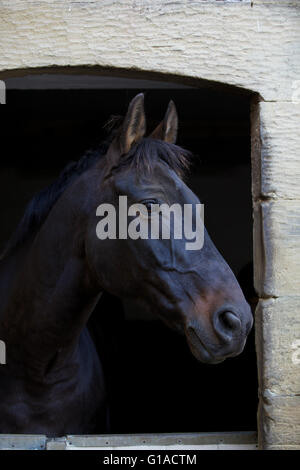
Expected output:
(51, 294)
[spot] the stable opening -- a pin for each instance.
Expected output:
(155, 384)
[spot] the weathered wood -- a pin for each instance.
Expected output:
(225, 42)
(22, 442)
(183, 441)
(277, 248)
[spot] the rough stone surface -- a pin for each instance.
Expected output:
(255, 147)
(278, 345)
(279, 421)
(254, 47)
(277, 248)
(276, 157)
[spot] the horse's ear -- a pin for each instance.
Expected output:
(134, 125)
(167, 129)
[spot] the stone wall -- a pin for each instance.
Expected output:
(276, 196)
(250, 45)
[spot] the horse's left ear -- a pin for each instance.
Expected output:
(167, 129)
(134, 126)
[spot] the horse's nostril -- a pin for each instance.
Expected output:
(230, 321)
(227, 324)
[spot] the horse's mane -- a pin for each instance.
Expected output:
(145, 154)
(142, 156)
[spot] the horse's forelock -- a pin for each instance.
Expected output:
(144, 155)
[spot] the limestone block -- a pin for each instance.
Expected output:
(249, 45)
(277, 248)
(276, 150)
(278, 345)
(279, 422)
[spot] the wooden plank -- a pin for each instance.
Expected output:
(22, 442)
(174, 447)
(231, 440)
(241, 440)
(57, 443)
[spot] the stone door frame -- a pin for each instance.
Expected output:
(250, 46)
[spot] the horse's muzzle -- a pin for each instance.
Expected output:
(230, 331)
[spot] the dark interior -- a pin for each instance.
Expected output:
(155, 384)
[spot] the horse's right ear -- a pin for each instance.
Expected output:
(134, 125)
(167, 129)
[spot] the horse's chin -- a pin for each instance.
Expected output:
(201, 353)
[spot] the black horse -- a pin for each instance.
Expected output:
(54, 269)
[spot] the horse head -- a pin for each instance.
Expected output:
(191, 290)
